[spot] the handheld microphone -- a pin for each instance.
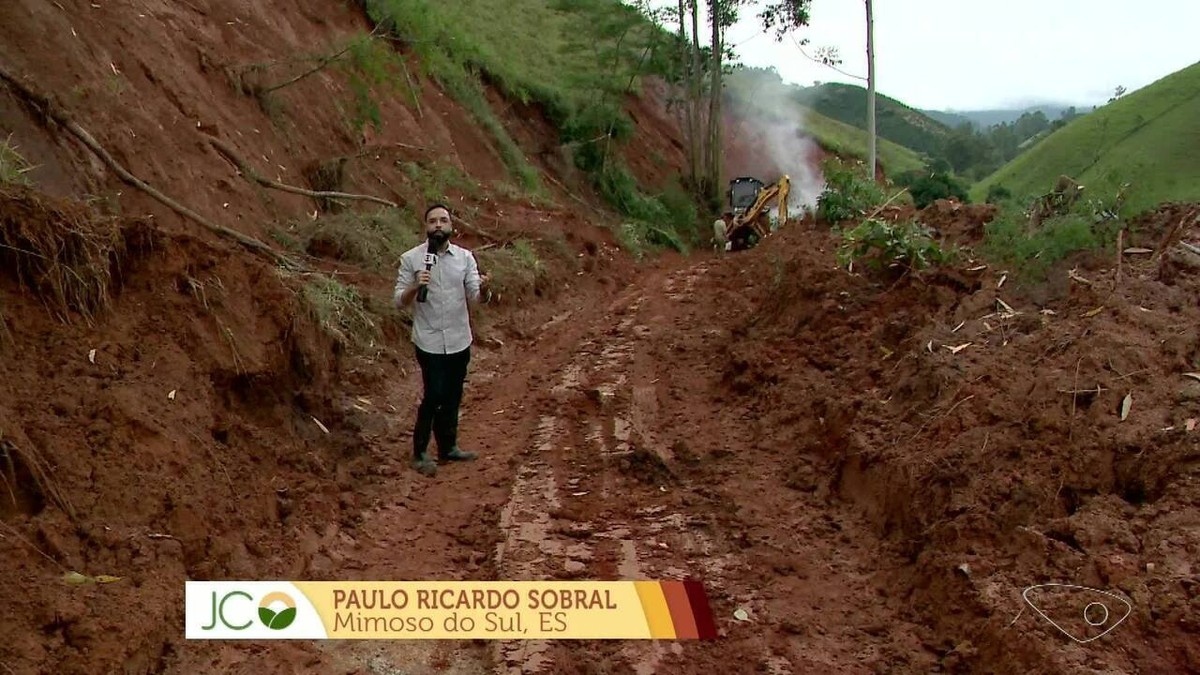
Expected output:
(430, 261)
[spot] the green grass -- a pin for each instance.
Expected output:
(847, 141)
(1148, 138)
(562, 55)
(1008, 238)
(374, 240)
(340, 311)
(573, 59)
(435, 179)
(14, 169)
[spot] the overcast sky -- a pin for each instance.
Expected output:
(972, 54)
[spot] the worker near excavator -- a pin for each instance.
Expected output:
(441, 332)
(720, 232)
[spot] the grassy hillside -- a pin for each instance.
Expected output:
(1148, 138)
(893, 120)
(761, 93)
(576, 60)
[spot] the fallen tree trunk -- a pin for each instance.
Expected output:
(248, 171)
(44, 106)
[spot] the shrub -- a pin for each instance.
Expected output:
(849, 192)
(880, 244)
(928, 189)
(1089, 225)
(997, 194)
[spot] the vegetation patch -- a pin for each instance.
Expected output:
(340, 311)
(435, 180)
(934, 186)
(879, 244)
(514, 272)
(849, 191)
(14, 170)
(62, 251)
(575, 60)
(1011, 239)
(374, 240)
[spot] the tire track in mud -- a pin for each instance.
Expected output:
(574, 512)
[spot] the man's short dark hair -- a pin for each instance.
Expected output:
(436, 205)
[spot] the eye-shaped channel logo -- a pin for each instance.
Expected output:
(1079, 612)
(273, 618)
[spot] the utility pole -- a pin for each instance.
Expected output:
(871, 89)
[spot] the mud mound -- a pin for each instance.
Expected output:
(953, 220)
(986, 436)
(170, 438)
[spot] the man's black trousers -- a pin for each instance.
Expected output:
(443, 376)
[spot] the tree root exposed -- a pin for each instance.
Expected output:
(44, 106)
(249, 172)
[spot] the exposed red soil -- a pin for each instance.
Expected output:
(799, 438)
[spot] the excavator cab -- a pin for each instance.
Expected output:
(743, 192)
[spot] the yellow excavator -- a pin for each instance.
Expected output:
(750, 198)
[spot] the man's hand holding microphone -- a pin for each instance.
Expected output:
(423, 276)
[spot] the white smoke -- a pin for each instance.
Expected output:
(767, 110)
(798, 157)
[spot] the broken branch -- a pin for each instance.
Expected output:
(1169, 239)
(884, 205)
(477, 230)
(249, 172)
(324, 61)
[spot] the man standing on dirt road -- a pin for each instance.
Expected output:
(441, 332)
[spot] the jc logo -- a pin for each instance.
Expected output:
(218, 611)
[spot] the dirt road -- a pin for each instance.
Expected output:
(609, 452)
(818, 448)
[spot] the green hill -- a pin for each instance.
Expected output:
(894, 121)
(762, 93)
(1148, 138)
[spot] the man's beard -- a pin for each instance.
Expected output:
(438, 237)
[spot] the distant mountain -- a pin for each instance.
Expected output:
(1147, 138)
(894, 121)
(950, 119)
(983, 119)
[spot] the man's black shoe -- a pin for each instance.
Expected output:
(425, 466)
(456, 455)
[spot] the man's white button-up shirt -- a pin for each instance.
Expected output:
(441, 324)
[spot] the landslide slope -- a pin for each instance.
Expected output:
(974, 417)
(174, 405)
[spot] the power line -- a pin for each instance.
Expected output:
(827, 65)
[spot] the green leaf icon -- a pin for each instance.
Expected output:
(277, 621)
